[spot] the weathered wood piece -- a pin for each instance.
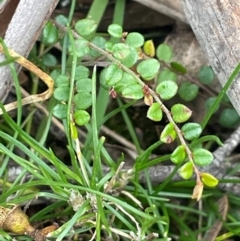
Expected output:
(22, 32)
(216, 25)
(170, 8)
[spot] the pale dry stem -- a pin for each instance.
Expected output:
(34, 69)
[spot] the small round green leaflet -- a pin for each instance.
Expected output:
(81, 117)
(164, 52)
(85, 27)
(202, 157)
(148, 68)
(178, 67)
(186, 170)
(135, 40)
(100, 42)
(49, 60)
(180, 113)
(61, 19)
(167, 89)
(188, 91)
(108, 46)
(115, 30)
(113, 75)
(60, 111)
(166, 74)
(191, 131)
(149, 48)
(84, 85)
(103, 79)
(206, 75)
(209, 180)
(155, 112)
(131, 59)
(127, 79)
(133, 91)
(81, 72)
(168, 134)
(229, 118)
(82, 48)
(61, 93)
(50, 34)
(62, 80)
(209, 102)
(54, 74)
(225, 99)
(121, 51)
(82, 100)
(178, 155)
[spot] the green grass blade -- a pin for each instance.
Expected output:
(220, 96)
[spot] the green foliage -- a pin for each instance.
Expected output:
(178, 155)
(133, 91)
(85, 27)
(60, 111)
(164, 52)
(61, 93)
(50, 34)
(83, 191)
(188, 91)
(206, 75)
(81, 72)
(135, 40)
(202, 157)
(180, 113)
(168, 134)
(178, 67)
(61, 19)
(229, 118)
(84, 85)
(186, 170)
(81, 47)
(149, 48)
(209, 180)
(121, 51)
(113, 75)
(209, 103)
(82, 100)
(115, 30)
(167, 74)
(191, 131)
(100, 42)
(148, 68)
(49, 60)
(167, 89)
(154, 112)
(81, 117)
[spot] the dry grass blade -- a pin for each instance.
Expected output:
(222, 210)
(34, 69)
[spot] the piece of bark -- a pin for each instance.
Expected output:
(22, 33)
(216, 25)
(170, 8)
(7, 9)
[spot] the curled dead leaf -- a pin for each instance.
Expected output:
(197, 191)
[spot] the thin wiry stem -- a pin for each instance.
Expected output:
(142, 84)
